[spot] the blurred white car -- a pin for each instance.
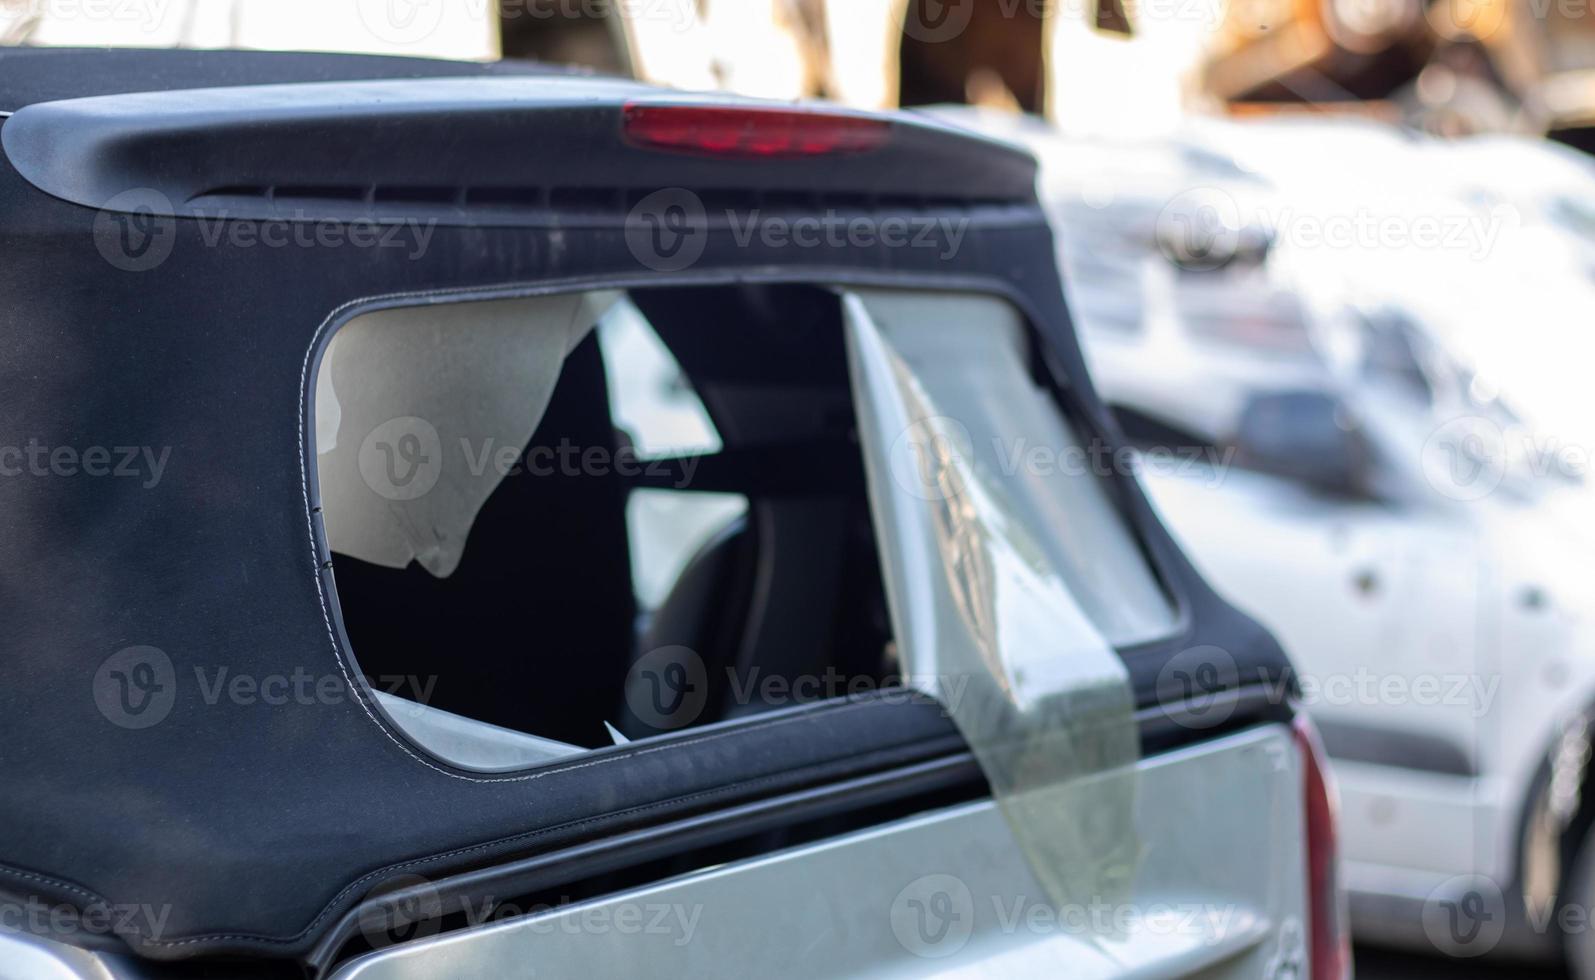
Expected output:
(1423, 550)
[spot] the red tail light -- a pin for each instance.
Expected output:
(751, 132)
(1328, 937)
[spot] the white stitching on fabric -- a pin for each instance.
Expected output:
(58, 883)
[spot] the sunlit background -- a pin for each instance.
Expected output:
(1447, 66)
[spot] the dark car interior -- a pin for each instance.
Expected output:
(539, 628)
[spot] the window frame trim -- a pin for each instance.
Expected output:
(1048, 366)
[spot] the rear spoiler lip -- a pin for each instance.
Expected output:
(453, 151)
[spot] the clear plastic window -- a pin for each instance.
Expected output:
(972, 357)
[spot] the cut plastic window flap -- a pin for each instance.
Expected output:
(985, 619)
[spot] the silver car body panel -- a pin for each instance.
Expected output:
(1220, 892)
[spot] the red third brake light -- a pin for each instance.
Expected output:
(751, 132)
(1328, 941)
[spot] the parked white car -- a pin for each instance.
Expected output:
(1338, 464)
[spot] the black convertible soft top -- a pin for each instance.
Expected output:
(240, 829)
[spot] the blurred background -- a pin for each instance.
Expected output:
(1449, 67)
(1389, 200)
